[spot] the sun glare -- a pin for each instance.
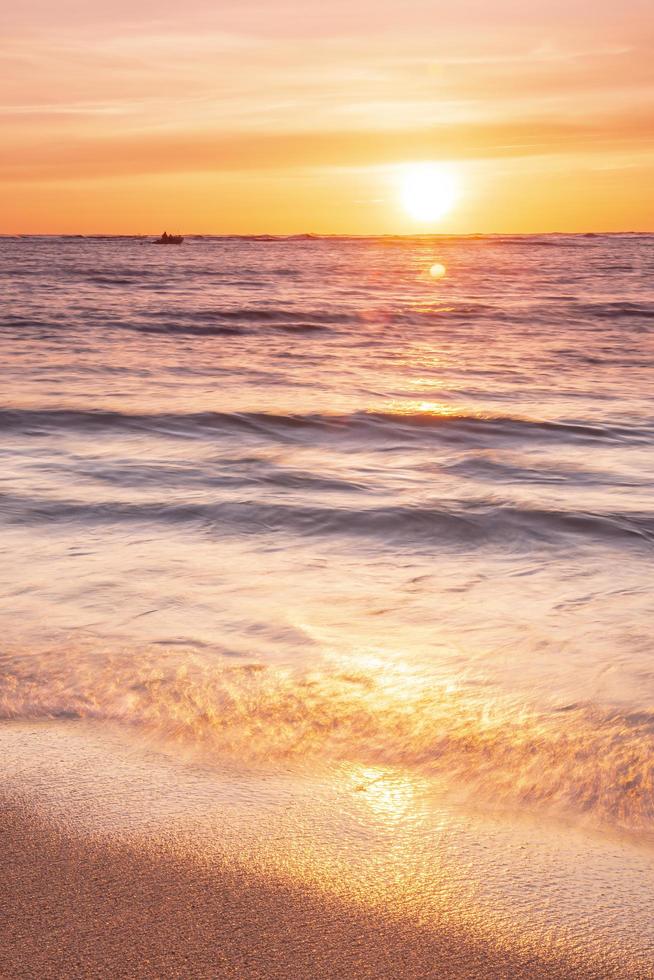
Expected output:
(428, 191)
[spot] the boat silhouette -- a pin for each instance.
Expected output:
(167, 239)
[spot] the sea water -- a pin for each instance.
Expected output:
(384, 502)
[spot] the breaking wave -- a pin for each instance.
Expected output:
(575, 759)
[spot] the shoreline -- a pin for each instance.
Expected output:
(119, 861)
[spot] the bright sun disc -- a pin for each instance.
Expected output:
(428, 190)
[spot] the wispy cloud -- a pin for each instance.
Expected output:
(138, 87)
(187, 151)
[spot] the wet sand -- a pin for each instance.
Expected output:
(98, 908)
(120, 859)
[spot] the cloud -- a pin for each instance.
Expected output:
(95, 92)
(183, 151)
(237, 82)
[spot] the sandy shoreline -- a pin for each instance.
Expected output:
(121, 861)
(98, 908)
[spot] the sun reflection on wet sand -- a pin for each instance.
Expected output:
(378, 837)
(390, 795)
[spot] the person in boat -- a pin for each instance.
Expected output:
(167, 239)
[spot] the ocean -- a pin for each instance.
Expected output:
(381, 503)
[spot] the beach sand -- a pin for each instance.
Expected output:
(71, 907)
(101, 880)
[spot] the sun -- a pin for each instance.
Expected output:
(428, 191)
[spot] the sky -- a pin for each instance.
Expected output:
(290, 116)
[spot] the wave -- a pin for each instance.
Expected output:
(216, 322)
(184, 330)
(445, 423)
(237, 471)
(260, 314)
(615, 310)
(176, 328)
(595, 762)
(115, 280)
(472, 523)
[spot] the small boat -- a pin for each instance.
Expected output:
(167, 239)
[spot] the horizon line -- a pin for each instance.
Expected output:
(271, 236)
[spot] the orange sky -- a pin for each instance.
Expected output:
(287, 116)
